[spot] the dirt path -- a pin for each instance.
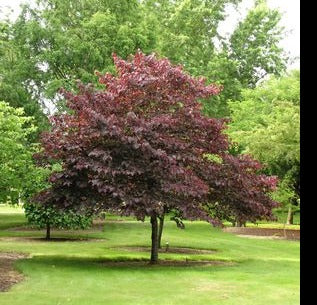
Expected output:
(8, 275)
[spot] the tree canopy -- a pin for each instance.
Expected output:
(16, 163)
(54, 43)
(266, 124)
(142, 144)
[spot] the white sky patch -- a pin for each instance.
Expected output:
(11, 7)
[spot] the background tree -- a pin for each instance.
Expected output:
(139, 147)
(18, 75)
(56, 42)
(63, 41)
(187, 29)
(188, 33)
(16, 164)
(48, 218)
(266, 124)
(254, 44)
(20, 178)
(250, 53)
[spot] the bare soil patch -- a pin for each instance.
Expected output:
(265, 232)
(170, 250)
(8, 275)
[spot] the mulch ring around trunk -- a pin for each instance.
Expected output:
(265, 232)
(166, 263)
(170, 250)
(52, 239)
(8, 275)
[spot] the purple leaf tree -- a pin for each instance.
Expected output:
(141, 146)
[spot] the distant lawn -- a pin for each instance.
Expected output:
(11, 216)
(264, 271)
(11, 209)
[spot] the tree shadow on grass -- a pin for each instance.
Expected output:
(122, 263)
(52, 239)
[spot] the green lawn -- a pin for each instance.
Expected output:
(10, 217)
(264, 271)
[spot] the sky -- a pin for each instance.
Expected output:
(290, 20)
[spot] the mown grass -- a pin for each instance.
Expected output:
(264, 271)
(11, 216)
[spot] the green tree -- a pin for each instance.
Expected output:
(187, 29)
(68, 40)
(60, 41)
(255, 45)
(49, 217)
(187, 33)
(266, 124)
(21, 178)
(251, 52)
(16, 164)
(20, 84)
(224, 69)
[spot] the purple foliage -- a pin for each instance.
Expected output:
(140, 145)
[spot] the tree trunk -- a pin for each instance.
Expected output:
(240, 224)
(154, 249)
(20, 203)
(48, 231)
(289, 216)
(161, 225)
